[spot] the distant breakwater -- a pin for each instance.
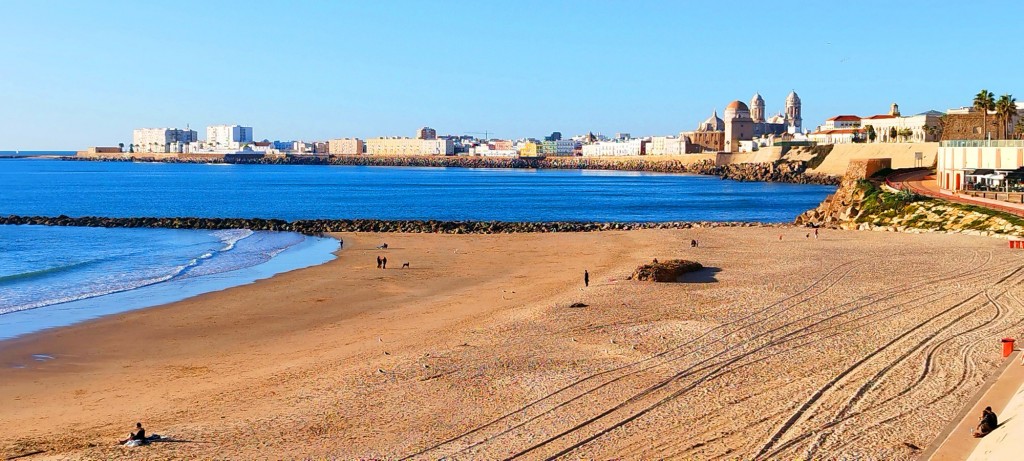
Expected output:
(322, 226)
(781, 171)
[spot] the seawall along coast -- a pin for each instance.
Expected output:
(321, 226)
(780, 171)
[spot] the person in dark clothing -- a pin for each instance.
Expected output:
(139, 434)
(586, 278)
(378, 262)
(693, 244)
(988, 423)
(384, 263)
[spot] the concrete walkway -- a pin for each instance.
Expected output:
(1003, 392)
(923, 182)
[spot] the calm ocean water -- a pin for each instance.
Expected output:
(53, 276)
(53, 187)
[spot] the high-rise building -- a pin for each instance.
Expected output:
(426, 133)
(228, 136)
(555, 136)
(162, 140)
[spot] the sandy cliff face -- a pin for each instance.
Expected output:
(861, 205)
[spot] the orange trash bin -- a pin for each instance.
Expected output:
(1007, 346)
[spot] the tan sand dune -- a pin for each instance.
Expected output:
(858, 343)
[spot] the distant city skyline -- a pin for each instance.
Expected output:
(80, 74)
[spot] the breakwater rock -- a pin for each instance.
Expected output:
(321, 226)
(781, 171)
(665, 271)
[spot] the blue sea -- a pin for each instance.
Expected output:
(54, 276)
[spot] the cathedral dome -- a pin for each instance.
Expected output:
(713, 123)
(757, 100)
(736, 106)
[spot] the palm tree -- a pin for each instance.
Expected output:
(1006, 108)
(120, 145)
(984, 101)
(871, 133)
(892, 134)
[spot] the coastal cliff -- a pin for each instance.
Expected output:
(863, 204)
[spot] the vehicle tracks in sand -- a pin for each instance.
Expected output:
(769, 449)
(843, 270)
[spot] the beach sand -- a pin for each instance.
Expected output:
(855, 344)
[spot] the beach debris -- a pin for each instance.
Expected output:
(576, 305)
(380, 340)
(387, 353)
(381, 370)
(912, 446)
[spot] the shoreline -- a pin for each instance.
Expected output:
(312, 251)
(794, 172)
(290, 365)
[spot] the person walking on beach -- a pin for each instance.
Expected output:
(384, 263)
(378, 262)
(815, 233)
(586, 278)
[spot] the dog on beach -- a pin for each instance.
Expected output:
(383, 247)
(405, 266)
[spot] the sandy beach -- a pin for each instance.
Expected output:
(853, 345)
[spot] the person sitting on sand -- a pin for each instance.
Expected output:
(988, 423)
(139, 435)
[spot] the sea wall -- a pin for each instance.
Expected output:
(902, 155)
(320, 226)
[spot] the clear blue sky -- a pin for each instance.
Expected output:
(79, 73)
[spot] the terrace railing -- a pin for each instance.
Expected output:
(982, 143)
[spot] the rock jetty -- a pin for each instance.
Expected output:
(664, 271)
(321, 226)
(781, 171)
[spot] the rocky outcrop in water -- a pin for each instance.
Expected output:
(664, 271)
(320, 226)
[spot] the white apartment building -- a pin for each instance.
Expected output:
(230, 137)
(488, 150)
(625, 148)
(666, 145)
(162, 140)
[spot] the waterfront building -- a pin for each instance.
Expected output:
(555, 136)
(502, 144)
(529, 149)
(227, 137)
(921, 127)
(492, 150)
(409, 146)
(708, 137)
(841, 129)
(667, 145)
(345, 146)
(559, 148)
(980, 165)
(162, 140)
(620, 148)
(426, 133)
